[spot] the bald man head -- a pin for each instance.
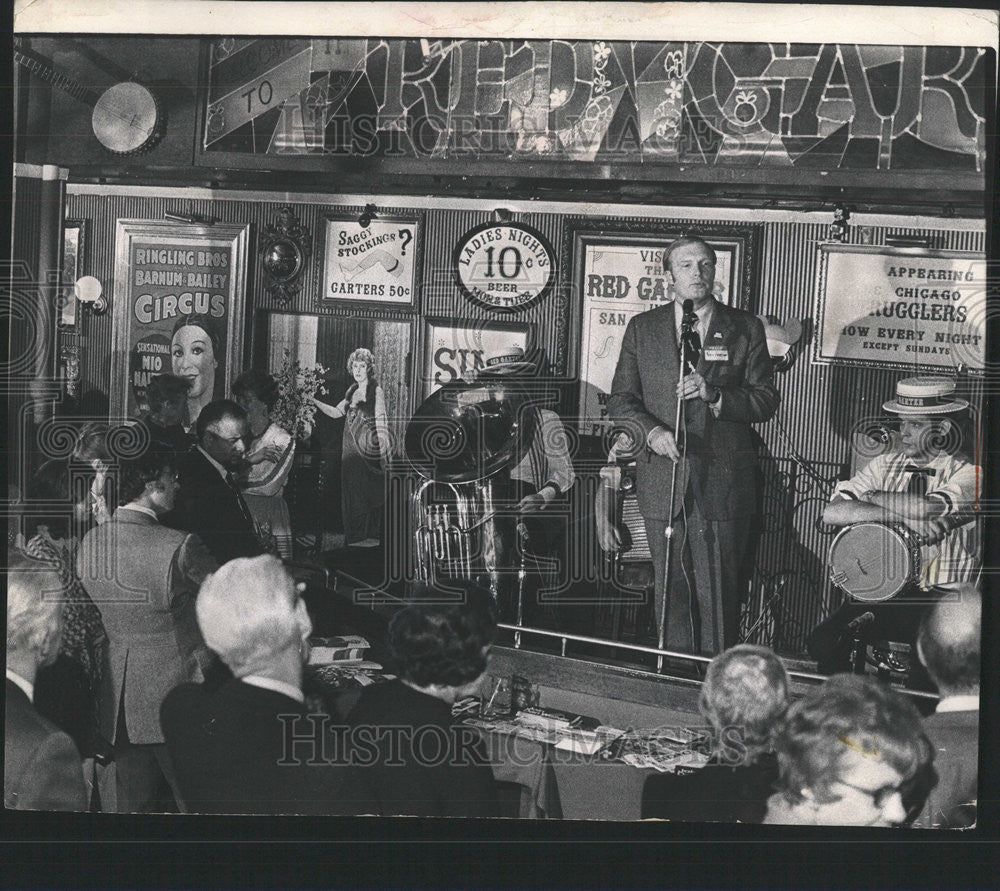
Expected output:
(948, 642)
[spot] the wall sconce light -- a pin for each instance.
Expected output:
(503, 214)
(89, 291)
(839, 226)
(367, 215)
(193, 218)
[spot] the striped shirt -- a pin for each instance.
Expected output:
(547, 461)
(957, 484)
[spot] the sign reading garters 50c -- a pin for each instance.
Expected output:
(505, 267)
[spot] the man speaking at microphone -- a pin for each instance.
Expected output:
(716, 494)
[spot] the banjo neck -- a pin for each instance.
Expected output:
(127, 117)
(38, 66)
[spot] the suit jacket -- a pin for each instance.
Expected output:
(42, 768)
(952, 801)
(451, 779)
(209, 506)
(144, 577)
(227, 745)
(721, 453)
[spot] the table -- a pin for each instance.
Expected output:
(560, 784)
(556, 783)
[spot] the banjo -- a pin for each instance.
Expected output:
(873, 562)
(127, 118)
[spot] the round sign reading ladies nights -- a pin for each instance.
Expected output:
(505, 267)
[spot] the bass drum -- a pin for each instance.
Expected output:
(873, 562)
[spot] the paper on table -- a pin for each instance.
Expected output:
(587, 742)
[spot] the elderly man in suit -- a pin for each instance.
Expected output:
(717, 487)
(209, 502)
(235, 745)
(42, 767)
(143, 577)
(948, 644)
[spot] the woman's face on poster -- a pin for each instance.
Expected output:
(194, 360)
(359, 368)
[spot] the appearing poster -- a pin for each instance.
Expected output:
(619, 277)
(901, 307)
(178, 308)
(374, 262)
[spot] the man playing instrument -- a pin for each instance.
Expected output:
(926, 484)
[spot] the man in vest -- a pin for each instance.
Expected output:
(143, 577)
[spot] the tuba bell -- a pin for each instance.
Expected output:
(458, 440)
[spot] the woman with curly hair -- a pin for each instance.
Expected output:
(270, 458)
(848, 753)
(365, 449)
(427, 765)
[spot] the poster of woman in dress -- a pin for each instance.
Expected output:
(362, 415)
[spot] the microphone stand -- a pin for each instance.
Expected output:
(688, 361)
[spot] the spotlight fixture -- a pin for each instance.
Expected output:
(196, 219)
(917, 242)
(367, 215)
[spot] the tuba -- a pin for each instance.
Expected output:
(458, 441)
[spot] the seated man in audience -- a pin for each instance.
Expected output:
(42, 767)
(143, 577)
(743, 698)
(209, 502)
(949, 646)
(847, 753)
(427, 765)
(247, 746)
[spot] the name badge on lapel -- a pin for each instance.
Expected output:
(716, 354)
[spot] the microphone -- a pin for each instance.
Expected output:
(860, 622)
(690, 339)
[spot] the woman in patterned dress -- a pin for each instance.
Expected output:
(270, 457)
(68, 692)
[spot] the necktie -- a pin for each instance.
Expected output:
(918, 479)
(239, 500)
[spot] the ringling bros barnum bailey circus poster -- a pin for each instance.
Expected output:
(642, 328)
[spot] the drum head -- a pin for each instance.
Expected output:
(873, 562)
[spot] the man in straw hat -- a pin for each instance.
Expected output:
(927, 484)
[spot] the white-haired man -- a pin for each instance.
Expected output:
(42, 767)
(244, 746)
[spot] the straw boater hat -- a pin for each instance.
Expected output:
(925, 396)
(510, 360)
